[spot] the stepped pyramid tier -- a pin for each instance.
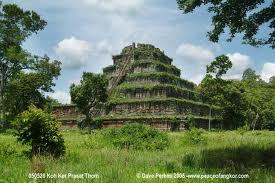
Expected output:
(145, 87)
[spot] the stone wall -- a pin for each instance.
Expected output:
(159, 108)
(68, 115)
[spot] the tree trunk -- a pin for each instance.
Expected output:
(2, 111)
(255, 121)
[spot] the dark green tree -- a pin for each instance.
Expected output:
(259, 97)
(40, 130)
(250, 74)
(15, 26)
(272, 81)
(223, 93)
(219, 66)
(24, 89)
(50, 103)
(247, 17)
(89, 95)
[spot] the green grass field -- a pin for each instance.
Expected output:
(233, 152)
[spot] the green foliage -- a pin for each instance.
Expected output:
(16, 25)
(250, 74)
(39, 129)
(260, 99)
(272, 81)
(95, 123)
(248, 102)
(194, 136)
(247, 17)
(145, 51)
(240, 157)
(219, 66)
(171, 101)
(190, 122)
(109, 69)
(25, 89)
(228, 95)
(138, 137)
(160, 67)
(162, 77)
(175, 124)
(50, 103)
(172, 90)
(90, 94)
(95, 153)
(243, 129)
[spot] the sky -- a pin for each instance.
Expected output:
(84, 35)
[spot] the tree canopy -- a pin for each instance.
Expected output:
(89, 94)
(247, 17)
(247, 102)
(22, 76)
(219, 66)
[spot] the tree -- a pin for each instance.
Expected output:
(247, 17)
(228, 96)
(272, 81)
(219, 66)
(259, 97)
(223, 93)
(90, 94)
(50, 103)
(39, 129)
(16, 25)
(250, 74)
(24, 89)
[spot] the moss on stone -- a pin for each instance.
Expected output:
(161, 77)
(159, 66)
(110, 68)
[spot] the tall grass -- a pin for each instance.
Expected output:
(220, 152)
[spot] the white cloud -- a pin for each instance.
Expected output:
(240, 62)
(74, 81)
(62, 96)
(195, 53)
(197, 78)
(268, 71)
(116, 5)
(195, 59)
(104, 47)
(73, 53)
(199, 57)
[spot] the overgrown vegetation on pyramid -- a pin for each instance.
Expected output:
(145, 87)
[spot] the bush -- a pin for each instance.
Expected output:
(175, 124)
(189, 123)
(243, 129)
(194, 136)
(137, 136)
(39, 129)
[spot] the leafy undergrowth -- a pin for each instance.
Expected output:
(249, 153)
(137, 136)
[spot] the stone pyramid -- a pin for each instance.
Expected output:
(145, 87)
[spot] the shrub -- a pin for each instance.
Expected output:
(190, 122)
(39, 129)
(89, 124)
(175, 124)
(194, 136)
(137, 136)
(243, 129)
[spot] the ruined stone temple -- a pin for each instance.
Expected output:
(145, 87)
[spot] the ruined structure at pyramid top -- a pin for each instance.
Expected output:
(143, 51)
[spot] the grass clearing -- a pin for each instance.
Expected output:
(232, 152)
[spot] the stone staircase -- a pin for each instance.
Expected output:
(122, 71)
